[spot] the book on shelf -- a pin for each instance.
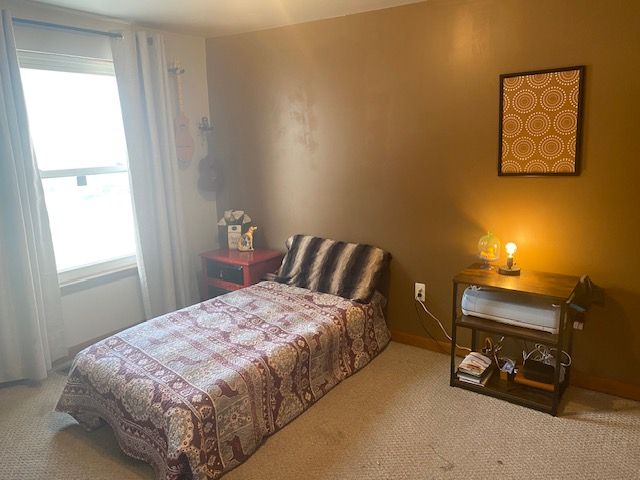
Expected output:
(475, 364)
(480, 381)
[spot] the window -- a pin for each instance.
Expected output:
(78, 137)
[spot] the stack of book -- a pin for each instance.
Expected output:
(475, 368)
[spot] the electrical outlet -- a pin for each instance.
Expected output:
(419, 291)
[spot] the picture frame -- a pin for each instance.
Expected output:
(540, 122)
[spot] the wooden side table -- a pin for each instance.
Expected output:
(556, 288)
(226, 270)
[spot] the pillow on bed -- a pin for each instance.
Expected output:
(349, 270)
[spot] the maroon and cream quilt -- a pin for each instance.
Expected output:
(196, 391)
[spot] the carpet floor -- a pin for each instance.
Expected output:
(396, 419)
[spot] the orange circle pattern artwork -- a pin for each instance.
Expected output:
(539, 122)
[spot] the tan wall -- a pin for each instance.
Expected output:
(383, 128)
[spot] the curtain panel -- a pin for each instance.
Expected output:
(31, 325)
(163, 265)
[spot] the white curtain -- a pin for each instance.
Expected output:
(163, 263)
(31, 326)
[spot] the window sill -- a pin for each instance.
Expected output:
(86, 283)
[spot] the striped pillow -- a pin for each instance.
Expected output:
(349, 270)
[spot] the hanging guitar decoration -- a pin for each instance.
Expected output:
(210, 178)
(184, 140)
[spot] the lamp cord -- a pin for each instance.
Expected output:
(421, 302)
(415, 307)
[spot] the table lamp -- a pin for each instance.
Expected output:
(510, 268)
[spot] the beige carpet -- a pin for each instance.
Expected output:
(396, 419)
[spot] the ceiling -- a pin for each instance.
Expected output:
(213, 18)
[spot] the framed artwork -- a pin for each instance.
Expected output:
(541, 122)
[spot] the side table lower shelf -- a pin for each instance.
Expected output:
(513, 392)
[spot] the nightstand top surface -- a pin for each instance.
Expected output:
(236, 257)
(554, 285)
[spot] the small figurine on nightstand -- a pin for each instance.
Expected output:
(246, 240)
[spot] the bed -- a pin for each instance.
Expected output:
(195, 392)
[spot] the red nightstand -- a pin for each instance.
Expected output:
(226, 270)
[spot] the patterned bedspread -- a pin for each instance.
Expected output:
(195, 392)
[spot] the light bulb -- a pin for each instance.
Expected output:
(510, 268)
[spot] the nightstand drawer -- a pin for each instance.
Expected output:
(228, 273)
(228, 270)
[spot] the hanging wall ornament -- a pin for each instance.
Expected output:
(210, 175)
(184, 140)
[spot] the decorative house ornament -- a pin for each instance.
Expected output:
(234, 220)
(234, 233)
(541, 122)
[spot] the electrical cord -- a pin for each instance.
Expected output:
(541, 353)
(427, 330)
(421, 302)
(544, 354)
